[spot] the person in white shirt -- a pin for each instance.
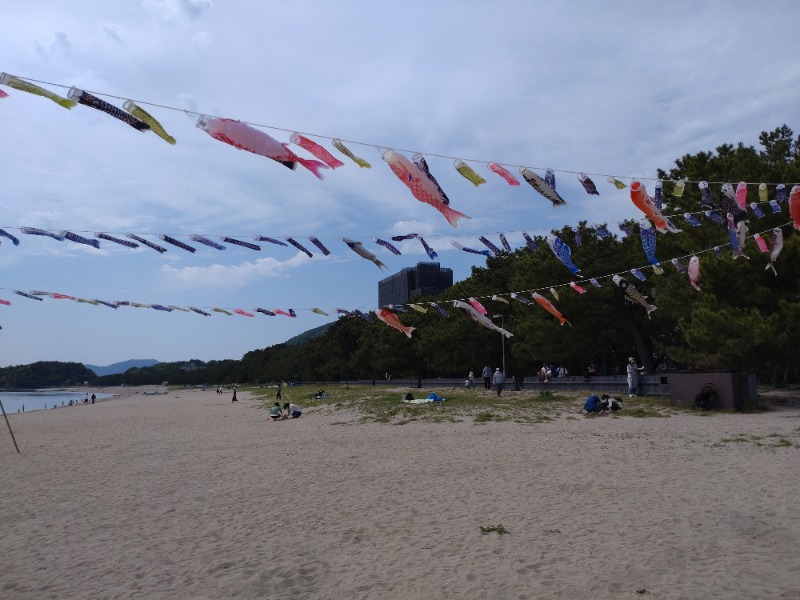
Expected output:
(293, 411)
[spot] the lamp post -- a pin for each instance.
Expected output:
(502, 341)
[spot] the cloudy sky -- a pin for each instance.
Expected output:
(619, 87)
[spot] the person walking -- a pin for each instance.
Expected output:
(487, 377)
(633, 377)
(498, 379)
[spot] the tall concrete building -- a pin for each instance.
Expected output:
(426, 279)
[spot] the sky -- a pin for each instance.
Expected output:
(613, 88)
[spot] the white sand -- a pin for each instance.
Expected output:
(189, 496)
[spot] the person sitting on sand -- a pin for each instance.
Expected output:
(292, 410)
(594, 405)
(275, 412)
(611, 402)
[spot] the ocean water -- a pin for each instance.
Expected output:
(14, 401)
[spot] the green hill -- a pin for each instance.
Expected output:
(309, 335)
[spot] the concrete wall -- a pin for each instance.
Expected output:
(734, 388)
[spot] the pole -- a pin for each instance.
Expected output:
(503, 343)
(9, 427)
(502, 340)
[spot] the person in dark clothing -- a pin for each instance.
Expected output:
(593, 405)
(611, 402)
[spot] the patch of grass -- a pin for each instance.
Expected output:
(551, 531)
(642, 412)
(383, 403)
(642, 592)
(485, 417)
(498, 529)
(782, 443)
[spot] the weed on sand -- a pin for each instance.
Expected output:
(386, 404)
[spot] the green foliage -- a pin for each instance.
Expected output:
(44, 375)
(498, 529)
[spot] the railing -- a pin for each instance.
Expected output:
(649, 385)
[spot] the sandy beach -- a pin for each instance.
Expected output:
(186, 495)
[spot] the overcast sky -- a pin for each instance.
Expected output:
(616, 88)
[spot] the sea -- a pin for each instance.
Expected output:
(43, 399)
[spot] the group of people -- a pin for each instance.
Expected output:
(490, 381)
(288, 411)
(602, 404)
(497, 379)
(605, 402)
(547, 372)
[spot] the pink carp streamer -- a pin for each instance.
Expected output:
(504, 173)
(478, 306)
(422, 165)
(244, 137)
(390, 319)
(422, 188)
(318, 151)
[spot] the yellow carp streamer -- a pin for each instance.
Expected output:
(141, 114)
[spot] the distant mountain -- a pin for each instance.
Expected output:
(121, 367)
(311, 334)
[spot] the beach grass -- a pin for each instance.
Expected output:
(385, 404)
